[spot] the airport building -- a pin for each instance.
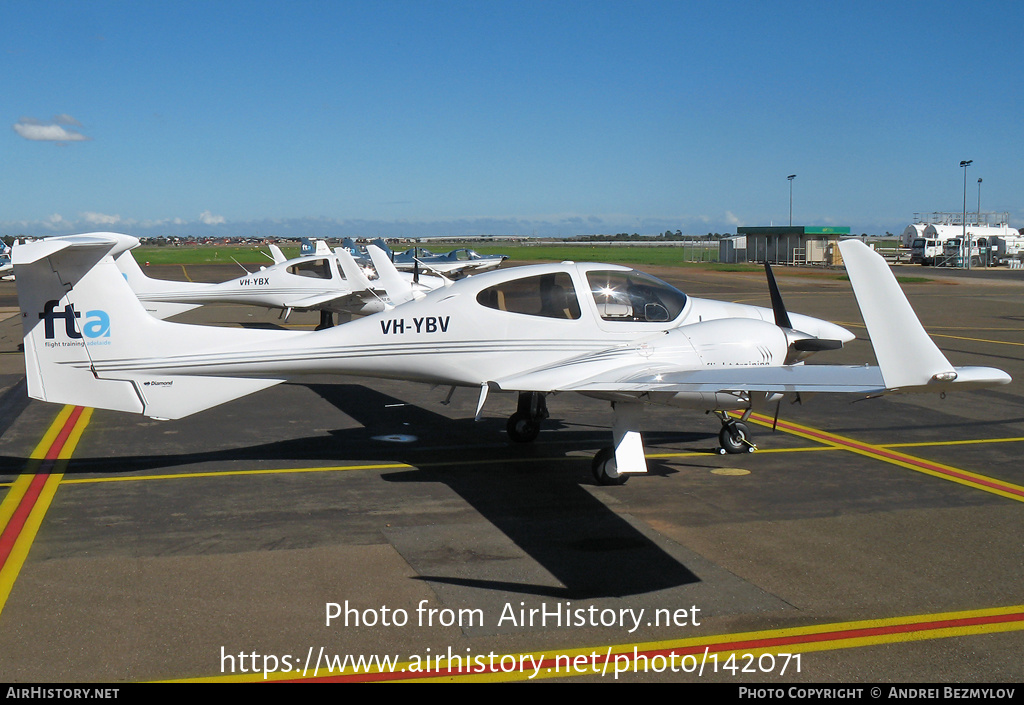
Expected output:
(796, 244)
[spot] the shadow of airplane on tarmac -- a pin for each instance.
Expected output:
(538, 497)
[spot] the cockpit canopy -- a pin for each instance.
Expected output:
(618, 295)
(316, 268)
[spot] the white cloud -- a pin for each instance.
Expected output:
(55, 221)
(100, 218)
(32, 129)
(731, 219)
(210, 219)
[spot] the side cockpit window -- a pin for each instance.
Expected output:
(634, 296)
(547, 295)
(315, 268)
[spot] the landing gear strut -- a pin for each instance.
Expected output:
(524, 425)
(326, 320)
(734, 436)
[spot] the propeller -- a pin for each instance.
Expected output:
(806, 343)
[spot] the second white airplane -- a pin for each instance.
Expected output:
(325, 281)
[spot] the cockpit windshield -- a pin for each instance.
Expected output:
(634, 296)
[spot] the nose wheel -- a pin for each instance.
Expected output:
(735, 438)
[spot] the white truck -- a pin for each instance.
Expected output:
(926, 251)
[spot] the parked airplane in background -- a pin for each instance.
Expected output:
(6, 268)
(309, 246)
(325, 281)
(605, 331)
(455, 263)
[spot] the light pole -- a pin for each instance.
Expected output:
(979, 201)
(791, 177)
(963, 243)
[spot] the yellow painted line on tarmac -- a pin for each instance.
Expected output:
(704, 454)
(956, 337)
(1011, 330)
(946, 472)
(976, 340)
(235, 473)
(697, 656)
(406, 466)
(973, 441)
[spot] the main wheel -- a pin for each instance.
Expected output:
(737, 441)
(522, 428)
(605, 471)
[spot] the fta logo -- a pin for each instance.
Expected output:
(96, 325)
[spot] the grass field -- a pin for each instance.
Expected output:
(631, 256)
(207, 254)
(634, 256)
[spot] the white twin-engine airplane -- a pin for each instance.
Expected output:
(331, 282)
(602, 330)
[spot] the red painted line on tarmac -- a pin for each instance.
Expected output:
(883, 633)
(28, 501)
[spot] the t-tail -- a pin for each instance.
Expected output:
(89, 342)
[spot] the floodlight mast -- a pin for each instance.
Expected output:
(963, 242)
(791, 177)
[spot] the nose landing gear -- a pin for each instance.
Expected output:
(734, 436)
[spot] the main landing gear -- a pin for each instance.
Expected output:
(326, 320)
(734, 436)
(524, 425)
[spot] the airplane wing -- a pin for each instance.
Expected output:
(323, 300)
(849, 379)
(662, 378)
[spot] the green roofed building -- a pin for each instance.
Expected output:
(795, 244)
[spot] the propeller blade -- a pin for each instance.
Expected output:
(816, 344)
(781, 317)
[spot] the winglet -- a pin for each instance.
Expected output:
(907, 356)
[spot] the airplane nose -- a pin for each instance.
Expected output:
(833, 332)
(821, 329)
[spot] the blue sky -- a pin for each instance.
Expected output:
(428, 117)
